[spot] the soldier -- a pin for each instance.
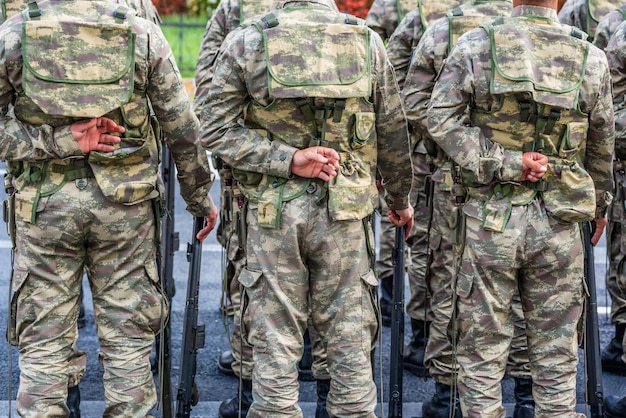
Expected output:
(306, 145)
(585, 14)
(532, 133)
(88, 195)
(614, 356)
(428, 58)
(227, 17)
(403, 37)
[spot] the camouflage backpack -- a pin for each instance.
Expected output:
(96, 74)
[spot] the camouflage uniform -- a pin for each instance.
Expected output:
(414, 16)
(607, 26)
(95, 213)
(585, 14)
(518, 234)
(428, 59)
(309, 242)
(225, 19)
(613, 355)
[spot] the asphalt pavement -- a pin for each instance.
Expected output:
(213, 386)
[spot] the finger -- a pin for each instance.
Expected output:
(109, 139)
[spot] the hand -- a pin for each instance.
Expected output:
(534, 166)
(211, 221)
(94, 134)
(315, 162)
(402, 217)
(598, 230)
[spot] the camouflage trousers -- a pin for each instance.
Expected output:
(544, 260)
(77, 231)
(417, 307)
(312, 268)
(439, 355)
(242, 351)
(616, 279)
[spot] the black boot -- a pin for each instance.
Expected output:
(611, 355)
(614, 407)
(439, 405)
(524, 401)
(230, 407)
(323, 387)
(413, 358)
(225, 363)
(305, 363)
(73, 401)
(386, 300)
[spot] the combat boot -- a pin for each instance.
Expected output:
(73, 401)
(614, 407)
(323, 387)
(524, 401)
(413, 358)
(440, 405)
(230, 407)
(225, 363)
(304, 365)
(386, 301)
(611, 355)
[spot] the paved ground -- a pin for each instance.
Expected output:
(214, 386)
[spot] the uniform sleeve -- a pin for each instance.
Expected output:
(394, 161)
(401, 44)
(214, 35)
(574, 13)
(616, 56)
(172, 107)
(383, 18)
(426, 63)
(604, 30)
(601, 136)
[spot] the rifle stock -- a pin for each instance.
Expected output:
(593, 365)
(397, 328)
(193, 333)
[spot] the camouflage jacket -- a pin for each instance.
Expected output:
(240, 83)
(607, 26)
(383, 17)
(464, 87)
(409, 33)
(155, 73)
(226, 18)
(430, 55)
(616, 56)
(585, 14)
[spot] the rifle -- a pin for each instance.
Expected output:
(170, 243)
(397, 327)
(193, 333)
(593, 366)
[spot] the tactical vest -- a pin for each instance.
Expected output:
(12, 7)
(596, 10)
(317, 98)
(431, 10)
(94, 79)
(250, 8)
(538, 112)
(463, 19)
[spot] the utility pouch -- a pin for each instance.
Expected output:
(497, 210)
(447, 178)
(270, 202)
(570, 197)
(349, 193)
